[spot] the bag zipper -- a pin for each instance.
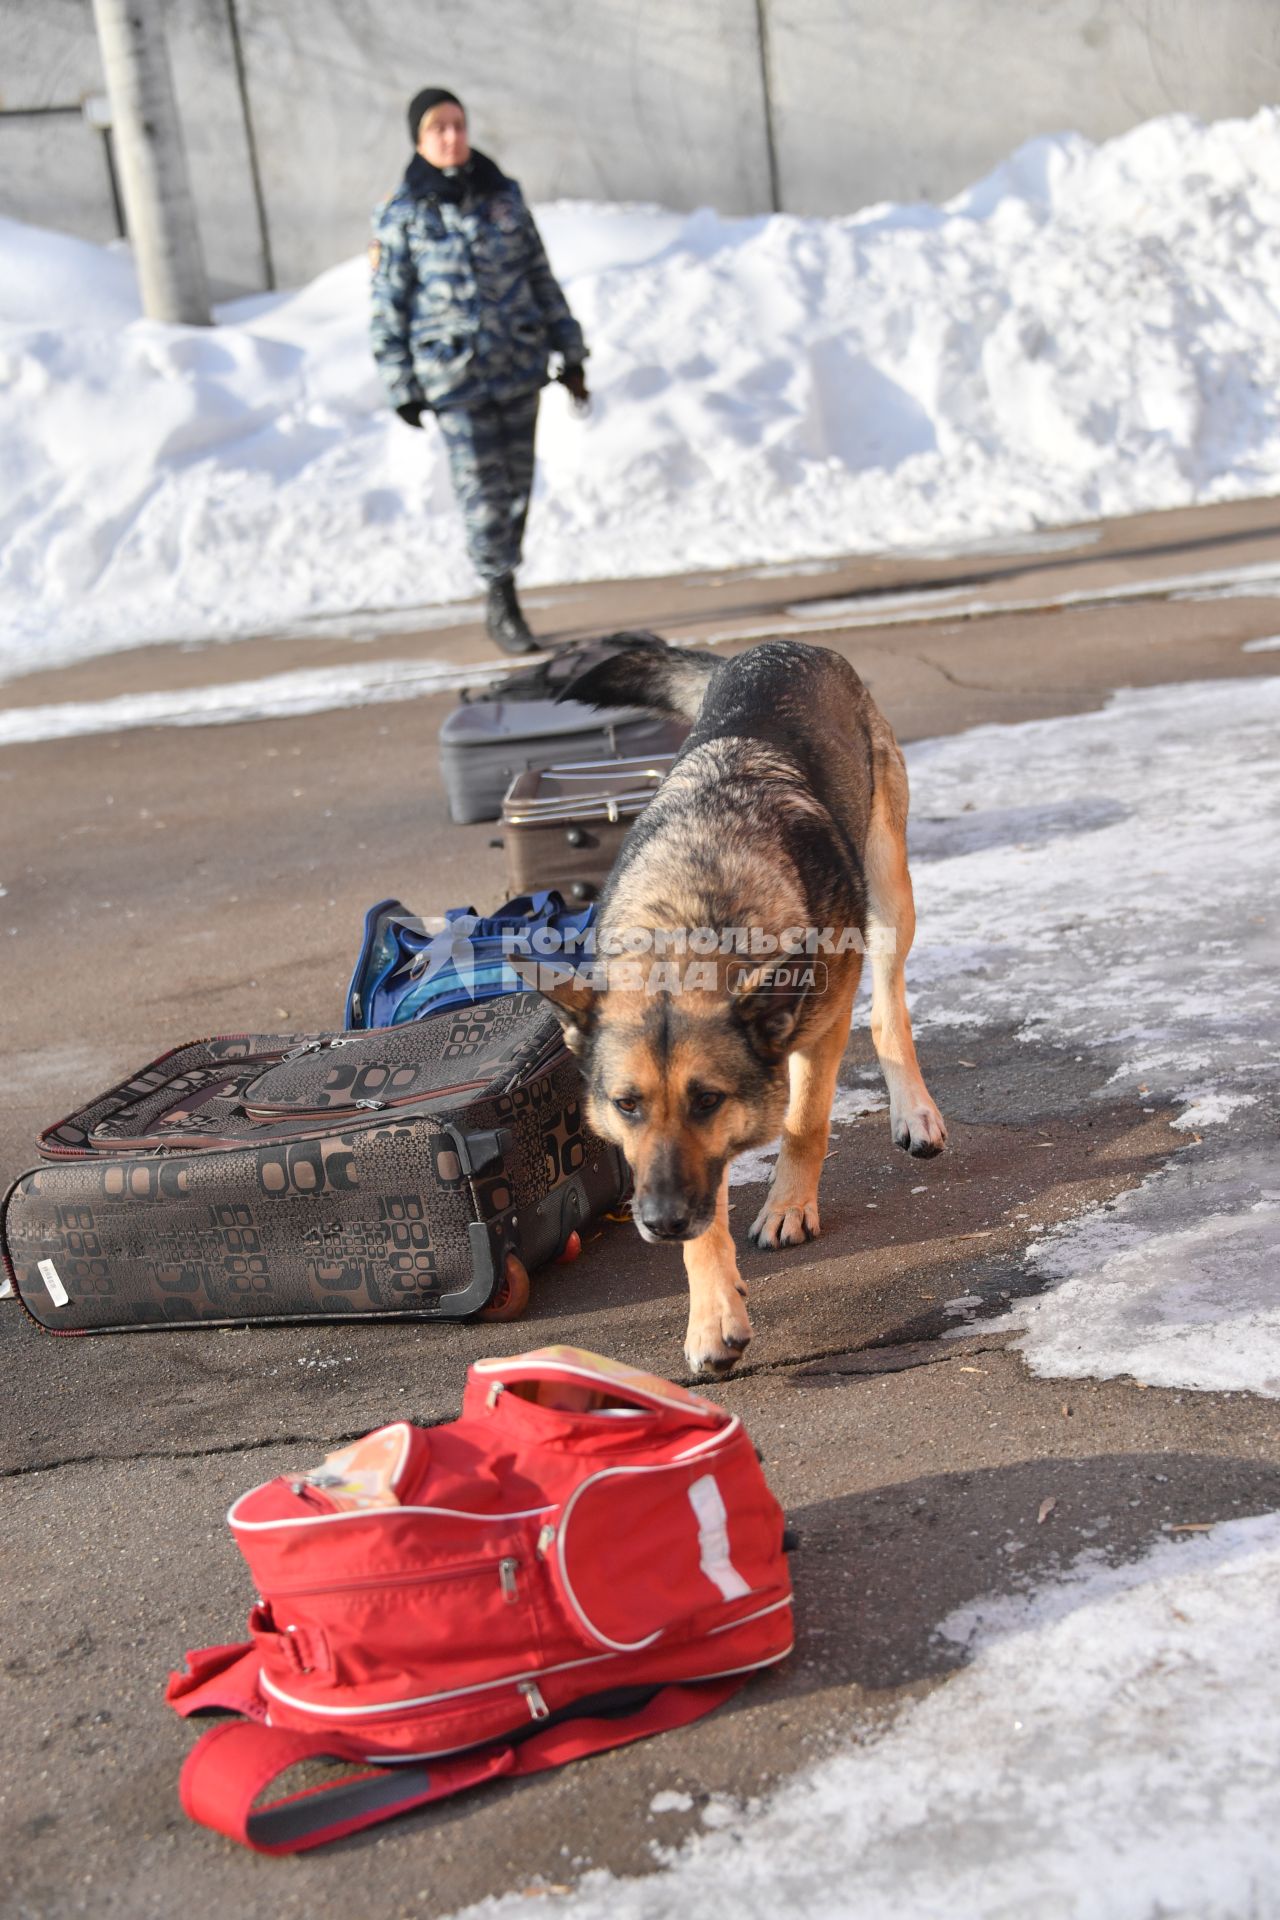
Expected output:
(507, 1570)
(538, 1708)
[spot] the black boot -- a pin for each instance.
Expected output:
(504, 622)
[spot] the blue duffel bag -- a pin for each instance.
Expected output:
(408, 970)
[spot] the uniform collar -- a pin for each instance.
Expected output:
(479, 178)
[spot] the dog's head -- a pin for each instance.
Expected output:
(681, 1082)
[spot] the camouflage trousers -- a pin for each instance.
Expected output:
(490, 452)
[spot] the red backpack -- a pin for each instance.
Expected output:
(587, 1556)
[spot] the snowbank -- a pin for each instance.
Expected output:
(1091, 330)
(1107, 1752)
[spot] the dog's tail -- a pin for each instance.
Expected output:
(621, 670)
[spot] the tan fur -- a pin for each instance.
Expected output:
(661, 1061)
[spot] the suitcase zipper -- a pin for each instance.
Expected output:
(321, 1117)
(254, 1112)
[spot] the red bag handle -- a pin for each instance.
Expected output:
(232, 1764)
(576, 1367)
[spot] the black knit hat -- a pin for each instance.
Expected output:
(422, 103)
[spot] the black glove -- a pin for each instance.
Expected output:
(411, 412)
(575, 379)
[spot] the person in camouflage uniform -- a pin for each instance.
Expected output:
(466, 311)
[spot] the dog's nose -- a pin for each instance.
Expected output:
(665, 1223)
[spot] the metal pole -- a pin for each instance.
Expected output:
(152, 161)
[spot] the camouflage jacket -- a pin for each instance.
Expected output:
(466, 308)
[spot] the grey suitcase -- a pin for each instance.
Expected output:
(484, 744)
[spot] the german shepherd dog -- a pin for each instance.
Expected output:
(785, 811)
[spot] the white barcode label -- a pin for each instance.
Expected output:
(52, 1284)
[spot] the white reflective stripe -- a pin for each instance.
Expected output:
(712, 1516)
(609, 1473)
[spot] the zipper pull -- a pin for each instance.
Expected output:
(538, 1708)
(494, 1395)
(507, 1571)
(546, 1540)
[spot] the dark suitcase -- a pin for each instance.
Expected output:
(563, 826)
(484, 744)
(386, 1174)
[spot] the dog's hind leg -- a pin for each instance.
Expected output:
(719, 1330)
(914, 1120)
(789, 1216)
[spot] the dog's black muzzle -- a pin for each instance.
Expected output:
(661, 1218)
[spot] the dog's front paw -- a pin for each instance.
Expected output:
(919, 1130)
(716, 1341)
(785, 1222)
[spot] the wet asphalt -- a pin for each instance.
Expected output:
(169, 883)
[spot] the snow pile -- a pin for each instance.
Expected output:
(1107, 1751)
(1091, 330)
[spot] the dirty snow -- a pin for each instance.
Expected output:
(1090, 330)
(1106, 1751)
(1105, 883)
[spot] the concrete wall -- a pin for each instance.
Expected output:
(917, 99)
(294, 109)
(601, 99)
(53, 166)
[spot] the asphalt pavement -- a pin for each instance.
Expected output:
(168, 883)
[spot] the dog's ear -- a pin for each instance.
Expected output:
(569, 994)
(768, 1003)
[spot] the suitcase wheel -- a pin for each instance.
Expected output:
(570, 1250)
(512, 1295)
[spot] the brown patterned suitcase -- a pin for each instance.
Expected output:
(396, 1173)
(563, 826)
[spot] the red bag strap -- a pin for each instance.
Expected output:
(232, 1764)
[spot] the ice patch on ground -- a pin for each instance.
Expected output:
(1090, 331)
(1134, 1291)
(1105, 882)
(1108, 1750)
(276, 696)
(1211, 1108)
